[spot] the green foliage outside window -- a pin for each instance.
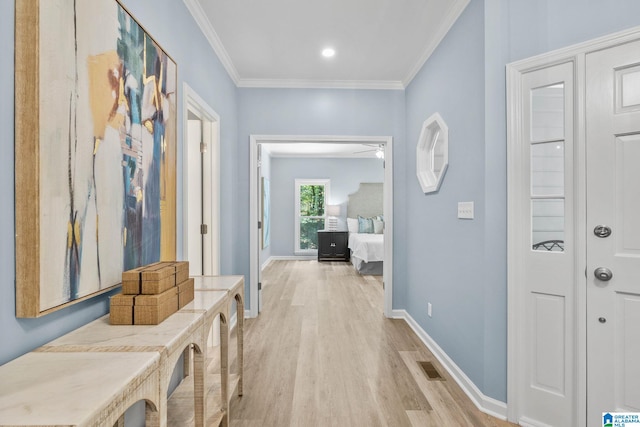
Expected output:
(312, 200)
(309, 232)
(311, 215)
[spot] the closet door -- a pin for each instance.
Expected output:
(613, 231)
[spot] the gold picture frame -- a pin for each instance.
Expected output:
(95, 151)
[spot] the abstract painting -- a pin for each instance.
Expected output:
(95, 151)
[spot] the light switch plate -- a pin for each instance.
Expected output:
(465, 210)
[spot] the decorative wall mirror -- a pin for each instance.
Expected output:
(432, 153)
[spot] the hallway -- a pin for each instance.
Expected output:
(322, 354)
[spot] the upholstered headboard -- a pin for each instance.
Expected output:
(367, 201)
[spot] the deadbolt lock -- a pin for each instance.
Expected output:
(602, 231)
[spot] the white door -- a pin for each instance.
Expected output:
(195, 197)
(546, 247)
(613, 200)
(202, 189)
(258, 249)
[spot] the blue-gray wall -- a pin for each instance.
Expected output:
(200, 68)
(317, 112)
(345, 175)
(464, 80)
(444, 254)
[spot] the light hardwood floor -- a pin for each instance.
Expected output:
(321, 353)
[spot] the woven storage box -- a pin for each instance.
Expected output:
(182, 271)
(185, 292)
(153, 309)
(121, 309)
(132, 280)
(157, 278)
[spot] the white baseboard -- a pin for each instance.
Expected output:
(528, 422)
(484, 403)
(266, 263)
(399, 314)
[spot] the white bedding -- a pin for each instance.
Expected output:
(367, 247)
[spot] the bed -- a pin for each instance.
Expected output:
(366, 248)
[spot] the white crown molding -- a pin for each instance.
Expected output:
(207, 29)
(454, 13)
(210, 34)
(321, 84)
(486, 404)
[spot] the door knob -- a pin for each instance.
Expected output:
(603, 273)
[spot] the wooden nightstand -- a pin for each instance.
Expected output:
(332, 245)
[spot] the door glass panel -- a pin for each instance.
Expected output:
(631, 87)
(547, 225)
(547, 169)
(547, 113)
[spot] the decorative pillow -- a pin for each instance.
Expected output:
(352, 225)
(378, 226)
(380, 218)
(365, 225)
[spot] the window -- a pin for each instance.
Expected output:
(547, 168)
(311, 197)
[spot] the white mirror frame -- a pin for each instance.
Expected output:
(434, 133)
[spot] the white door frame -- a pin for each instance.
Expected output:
(516, 234)
(193, 102)
(385, 141)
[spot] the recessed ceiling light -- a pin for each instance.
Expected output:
(328, 52)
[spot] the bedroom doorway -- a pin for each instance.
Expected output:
(256, 183)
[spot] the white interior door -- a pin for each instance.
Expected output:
(202, 190)
(260, 226)
(613, 200)
(195, 192)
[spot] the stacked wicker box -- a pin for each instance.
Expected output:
(152, 293)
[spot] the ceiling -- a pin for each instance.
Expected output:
(379, 44)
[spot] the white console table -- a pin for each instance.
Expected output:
(77, 389)
(163, 344)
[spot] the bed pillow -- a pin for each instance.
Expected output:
(378, 226)
(365, 225)
(352, 225)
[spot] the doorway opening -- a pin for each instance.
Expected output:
(384, 144)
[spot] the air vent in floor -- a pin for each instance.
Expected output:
(430, 371)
